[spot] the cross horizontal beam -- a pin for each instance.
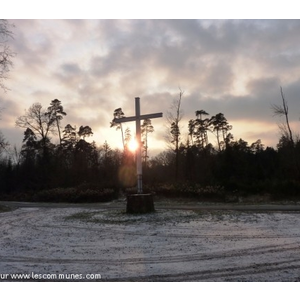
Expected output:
(134, 118)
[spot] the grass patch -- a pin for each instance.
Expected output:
(81, 216)
(232, 216)
(4, 209)
(117, 217)
(166, 217)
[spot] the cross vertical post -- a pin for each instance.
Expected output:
(138, 150)
(137, 118)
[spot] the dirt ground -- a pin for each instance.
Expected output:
(63, 242)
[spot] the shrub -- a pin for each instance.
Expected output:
(74, 195)
(186, 190)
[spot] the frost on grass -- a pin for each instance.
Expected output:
(162, 217)
(168, 245)
(121, 217)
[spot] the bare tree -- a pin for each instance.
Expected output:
(283, 110)
(6, 54)
(3, 143)
(5, 64)
(174, 117)
(38, 120)
(16, 155)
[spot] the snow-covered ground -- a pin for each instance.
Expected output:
(77, 243)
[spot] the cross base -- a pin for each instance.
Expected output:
(140, 203)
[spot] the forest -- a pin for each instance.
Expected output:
(73, 169)
(56, 161)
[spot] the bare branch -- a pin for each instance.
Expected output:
(283, 111)
(37, 119)
(277, 110)
(6, 54)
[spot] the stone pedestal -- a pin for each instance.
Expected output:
(140, 203)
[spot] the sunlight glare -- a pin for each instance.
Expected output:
(132, 145)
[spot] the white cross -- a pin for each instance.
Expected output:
(137, 118)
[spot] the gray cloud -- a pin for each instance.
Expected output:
(94, 66)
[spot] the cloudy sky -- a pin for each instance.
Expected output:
(95, 66)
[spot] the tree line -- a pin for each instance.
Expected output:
(191, 161)
(190, 164)
(42, 163)
(72, 161)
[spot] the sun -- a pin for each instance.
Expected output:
(132, 145)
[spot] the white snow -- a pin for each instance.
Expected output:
(168, 245)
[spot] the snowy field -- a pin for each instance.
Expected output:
(106, 244)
